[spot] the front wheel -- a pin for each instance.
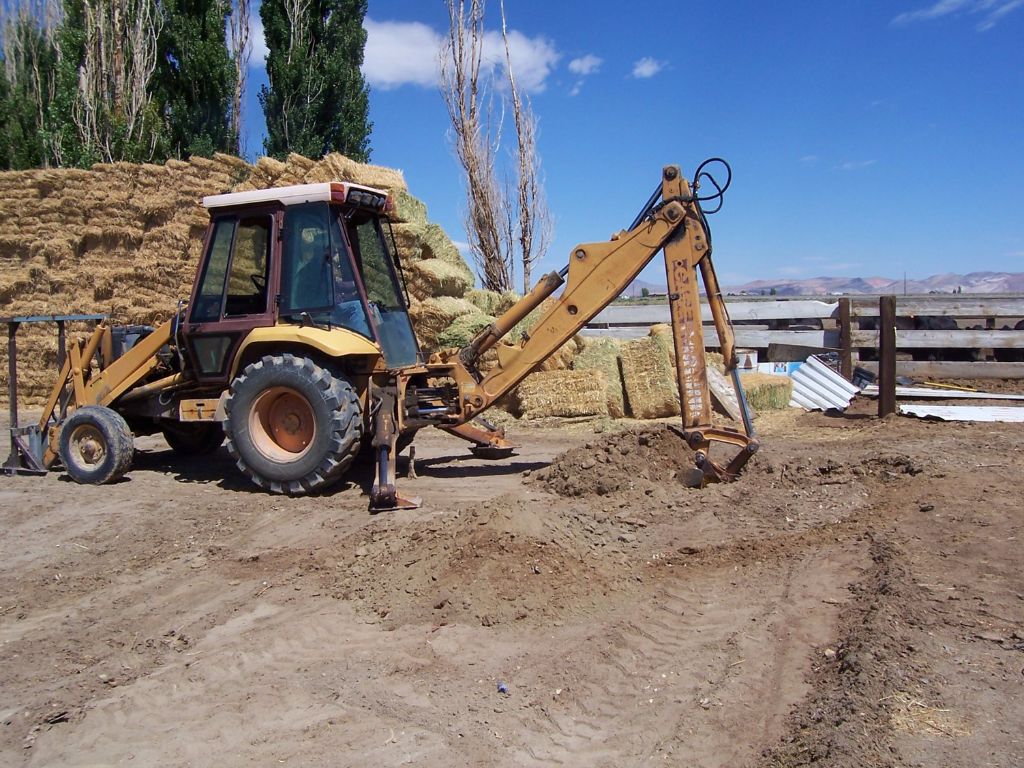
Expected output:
(291, 425)
(95, 445)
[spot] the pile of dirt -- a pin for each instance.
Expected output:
(509, 559)
(124, 240)
(634, 460)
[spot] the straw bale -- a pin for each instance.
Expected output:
(462, 330)
(436, 278)
(560, 393)
(409, 241)
(492, 302)
(766, 392)
(437, 245)
(648, 378)
(561, 358)
(432, 316)
(407, 209)
(603, 355)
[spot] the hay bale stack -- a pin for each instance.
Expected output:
(766, 392)
(433, 277)
(602, 355)
(648, 377)
(492, 302)
(560, 393)
(434, 315)
(462, 330)
(562, 358)
(124, 239)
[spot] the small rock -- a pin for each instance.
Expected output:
(830, 654)
(361, 552)
(926, 507)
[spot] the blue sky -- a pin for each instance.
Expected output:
(866, 138)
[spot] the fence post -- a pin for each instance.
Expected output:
(886, 355)
(845, 339)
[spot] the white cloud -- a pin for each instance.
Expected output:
(585, 65)
(856, 165)
(809, 159)
(533, 58)
(647, 67)
(463, 247)
(400, 53)
(991, 11)
(406, 53)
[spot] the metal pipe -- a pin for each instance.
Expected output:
(167, 382)
(748, 422)
(12, 388)
(490, 336)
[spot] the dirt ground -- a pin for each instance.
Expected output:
(855, 599)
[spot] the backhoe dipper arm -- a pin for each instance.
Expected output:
(596, 275)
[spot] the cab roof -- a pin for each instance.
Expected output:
(331, 191)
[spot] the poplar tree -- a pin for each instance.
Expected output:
(317, 101)
(195, 78)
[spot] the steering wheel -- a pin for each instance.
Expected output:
(260, 281)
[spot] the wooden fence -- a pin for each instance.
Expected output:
(783, 330)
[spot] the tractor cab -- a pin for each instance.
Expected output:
(317, 255)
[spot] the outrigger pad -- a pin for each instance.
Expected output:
(388, 500)
(492, 452)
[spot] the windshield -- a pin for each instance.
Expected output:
(376, 262)
(317, 278)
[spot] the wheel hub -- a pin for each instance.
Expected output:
(88, 445)
(282, 424)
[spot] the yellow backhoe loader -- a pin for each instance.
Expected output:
(297, 349)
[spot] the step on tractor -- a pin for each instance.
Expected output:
(296, 348)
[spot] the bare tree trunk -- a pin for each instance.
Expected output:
(241, 52)
(113, 80)
(474, 141)
(533, 227)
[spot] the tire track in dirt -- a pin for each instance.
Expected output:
(634, 693)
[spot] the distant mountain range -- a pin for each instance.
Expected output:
(973, 282)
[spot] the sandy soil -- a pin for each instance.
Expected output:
(856, 599)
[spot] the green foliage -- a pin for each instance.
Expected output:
(195, 77)
(317, 101)
(645, 292)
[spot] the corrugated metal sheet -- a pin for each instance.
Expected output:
(965, 412)
(816, 387)
(871, 390)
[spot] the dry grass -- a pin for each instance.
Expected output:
(909, 715)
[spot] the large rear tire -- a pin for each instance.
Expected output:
(96, 445)
(198, 438)
(291, 425)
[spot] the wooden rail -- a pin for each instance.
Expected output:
(786, 329)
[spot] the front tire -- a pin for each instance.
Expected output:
(291, 425)
(95, 445)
